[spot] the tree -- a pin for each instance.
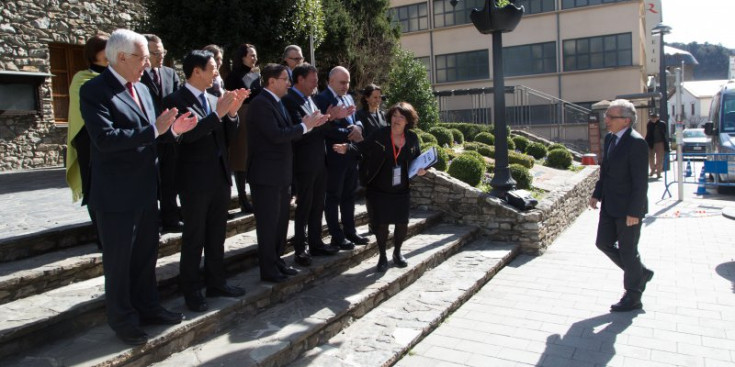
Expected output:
(407, 81)
(307, 19)
(713, 59)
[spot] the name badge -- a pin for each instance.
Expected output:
(396, 175)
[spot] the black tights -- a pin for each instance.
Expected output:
(381, 234)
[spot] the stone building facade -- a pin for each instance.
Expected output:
(32, 34)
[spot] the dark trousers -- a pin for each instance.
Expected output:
(310, 189)
(205, 223)
(129, 258)
(167, 153)
(240, 182)
(271, 207)
(625, 255)
(340, 197)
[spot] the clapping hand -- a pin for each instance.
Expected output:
(339, 111)
(183, 123)
(340, 148)
(240, 96)
(355, 134)
(225, 103)
(315, 119)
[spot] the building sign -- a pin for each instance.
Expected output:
(653, 18)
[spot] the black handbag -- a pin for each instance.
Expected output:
(521, 199)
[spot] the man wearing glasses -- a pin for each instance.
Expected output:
(162, 81)
(292, 57)
(623, 190)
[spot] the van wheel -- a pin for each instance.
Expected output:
(726, 190)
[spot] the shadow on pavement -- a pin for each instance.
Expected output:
(588, 341)
(32, 180)
(727, 271)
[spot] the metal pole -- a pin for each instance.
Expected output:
(502, 182)
(662, 82)
(679, 158)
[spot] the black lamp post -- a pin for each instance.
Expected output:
(662, 29)
(494, 20)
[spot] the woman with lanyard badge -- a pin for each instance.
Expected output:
(386, 156)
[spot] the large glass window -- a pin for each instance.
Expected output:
(568, 4)
(426, 60)
(537, 58)
(598, 52)
(462, 66)
(446, 15)
(411, 18)
(537, 6)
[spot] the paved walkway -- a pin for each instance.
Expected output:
(552, 310)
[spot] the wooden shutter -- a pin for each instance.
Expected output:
(66, 60)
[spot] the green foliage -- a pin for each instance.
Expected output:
(469, 130)
(486, 150)
(485, 137)
(536, 150)
(407, 81)
(457, 135)
(502, 3)
(443, 157)
(713, 59)
(475, 155)
(443, 135)
(307, 18)
(522, 176)
(511, 144)
(451, 154)
(426, 138)
(468, 169)
(559, 158)
(556, 146)
(521, 143)
(520, 158)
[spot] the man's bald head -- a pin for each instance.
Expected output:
(339, 80)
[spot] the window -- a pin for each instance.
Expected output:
(19, 92)
(411, 18)
(598, 52)
(426, 60)
(462, 66)
(445, 15)
(568, 4)
(692, 114)
(537, 58)
(537, 6)
(66, 60)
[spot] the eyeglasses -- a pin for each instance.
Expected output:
(162, 53)
(286, 78)
(145, 58)
(614, 117)
(296, 58)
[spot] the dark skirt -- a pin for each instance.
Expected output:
(388, 208)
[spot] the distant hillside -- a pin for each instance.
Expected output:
(713, 59)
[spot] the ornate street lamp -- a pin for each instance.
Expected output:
(662, 29)
(496, 21)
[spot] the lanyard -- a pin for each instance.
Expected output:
(396, 153)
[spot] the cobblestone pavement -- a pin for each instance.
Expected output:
(552, 310)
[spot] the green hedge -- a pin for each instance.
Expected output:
(426, 138)
(467, 168)
(468, 130)
(536, 150)
(559, 158)
(556, 146)
(522, 176)
(443, 157)
(457, 135)
(520, 158)
(482, 148)
(485, 137)
(443, 136)
(521, 143)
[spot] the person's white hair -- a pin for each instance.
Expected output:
(338, 69)
(122, 40)
(290, 48)
(627, 109)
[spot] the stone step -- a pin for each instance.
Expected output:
(280, 334)
(389, 331)
(98, 346)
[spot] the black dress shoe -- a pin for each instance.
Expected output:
(225, 291)
(382, 264)
(280, 278)
(647, 276)
(399, 260)
(303, 259)
(132, 336)
(288, 270)
(173, 227)
(323, 250)
(627, 303)
(344, 245)
(357, 240)
(195, 301)
(246, 208)
(162, 317)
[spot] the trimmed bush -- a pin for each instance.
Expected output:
(521, 143)
(559, 158)
(511, 145)
(556, 146)
(451, 154)
(475, 155)
(485, 137)
(443, 136)
(482, 148)
(521, 175)
(468, 130)
(426, 138)
(536, 150)
(520, 158)
(467, 168)
(443, 157)
(457, 135)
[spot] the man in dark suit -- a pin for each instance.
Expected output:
(309, 167)
(341, 169)
(292, 57)
(203, 179)
(270, 168)
(120, 118)
(162, 81)
(623, 189)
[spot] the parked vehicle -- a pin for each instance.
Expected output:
(695, 141)
(721, 127)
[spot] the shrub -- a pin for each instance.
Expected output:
(443, 157)
(522, 176)
(468, 169)
(536, 150)
(511, 145)
(457, 135)
(559, 158)
(468, 130)
(482, 148)
(443, 136)
(475, 155)
(556, 146)
(520, 158)
(427, 138)
(521, 143)
(485, 137)
(451, 154)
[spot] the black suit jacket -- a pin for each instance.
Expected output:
(170, 83)
(270, 134)
(335, 131)
(123, 154)
(369, 122)
(309, 150)
(202, 156)
(623, 183)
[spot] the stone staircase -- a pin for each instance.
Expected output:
(52, 300)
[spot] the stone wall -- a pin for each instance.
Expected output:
(26, 29)
(534, 230)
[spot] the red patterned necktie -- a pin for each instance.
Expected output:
(129, 86)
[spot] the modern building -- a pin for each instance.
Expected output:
(579, 51)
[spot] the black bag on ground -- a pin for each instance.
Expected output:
(521, 199)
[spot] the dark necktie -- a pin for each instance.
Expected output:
(205, 105)
(129, 86)
(612, 145)
(344, 103)
(283, 110)
(156, 79)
